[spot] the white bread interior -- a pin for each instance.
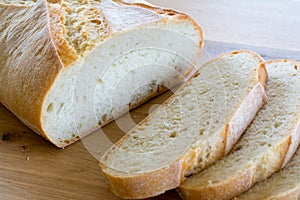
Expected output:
(58, 57)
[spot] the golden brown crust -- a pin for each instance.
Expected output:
(272, 162)
(129, 186)
(288, 195)
(293, 144)
(35, 69)
(262, 74)
(241, 182)
(169, 13)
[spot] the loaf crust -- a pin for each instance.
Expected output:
(26, 84)
(34, 42)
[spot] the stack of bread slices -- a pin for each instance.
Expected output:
(234, 124)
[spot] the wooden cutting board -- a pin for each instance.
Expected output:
(32, 168)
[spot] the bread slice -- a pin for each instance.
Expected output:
(198, 125)
(282, 185)
(71, 66)
(266, 147)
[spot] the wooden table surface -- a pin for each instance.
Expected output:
(268, 23)
(32, 168)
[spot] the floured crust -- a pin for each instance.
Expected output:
(169, 13)
(291, 194)
(48, 52)
(40, 71)
(128, 186)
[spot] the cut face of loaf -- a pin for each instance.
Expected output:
(282, 185)
(194, 128)
(266, 147)
(68, 67)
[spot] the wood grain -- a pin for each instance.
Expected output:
(32, 168)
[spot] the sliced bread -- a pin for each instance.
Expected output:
(71, 66)
(281, 186)
(266, 147)
(198, 125)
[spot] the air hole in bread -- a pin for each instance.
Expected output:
(277, 124)
(50, 108)
(135, 137)
(100, 81)
(235, 83)
(60, 107)
(171, 14)
(173, 134)
(197, 74)
(263, 144)
(238, 147)
(201, 132)
(207, 155)
(97, 21)
(104, 118)
(296, 67)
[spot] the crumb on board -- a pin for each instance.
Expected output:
(5, 137)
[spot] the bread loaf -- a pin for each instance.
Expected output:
(198, 125)
(266, 147)
(69, 67)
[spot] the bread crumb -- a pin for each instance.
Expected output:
(28, 158)
(296, 67)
